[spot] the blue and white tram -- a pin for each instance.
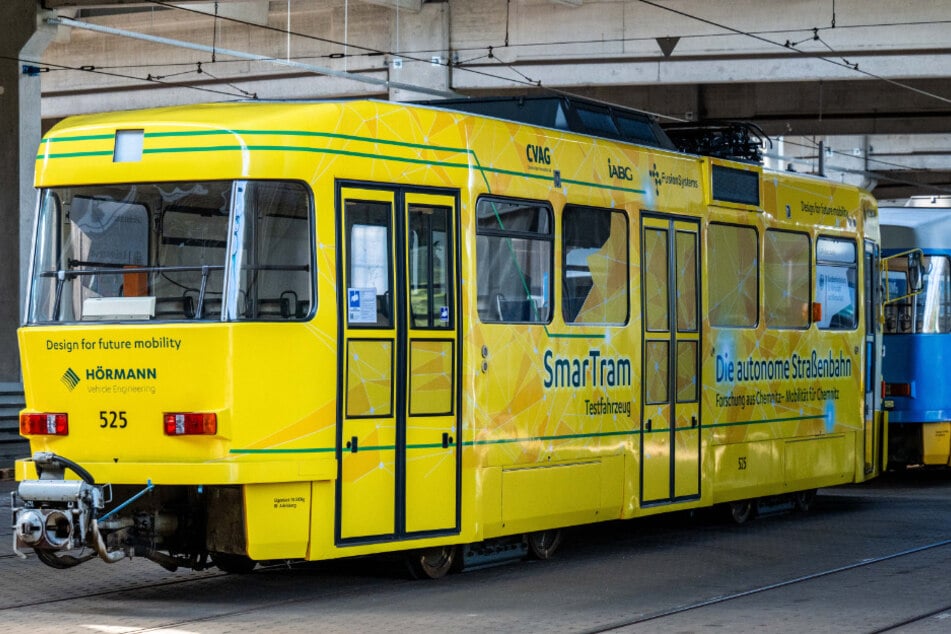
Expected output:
(916, 245)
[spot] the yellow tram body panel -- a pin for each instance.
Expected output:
(936, 443)
(510, 427)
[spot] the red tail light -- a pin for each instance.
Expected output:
(898, 389)
(43, 424)
(191, 423)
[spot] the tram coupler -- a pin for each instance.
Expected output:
(52, 513)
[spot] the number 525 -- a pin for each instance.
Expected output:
(112, 419)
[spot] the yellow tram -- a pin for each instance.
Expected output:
(261, 331)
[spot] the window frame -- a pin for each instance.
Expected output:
(495, 232)
(294, 313)
(810, 283)
(853, 265)
(385, 318)
(712, 265)
(571, 209)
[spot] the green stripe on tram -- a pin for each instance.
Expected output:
(307, 134)
(524, 440)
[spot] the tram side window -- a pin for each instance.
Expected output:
(430, 264)
(926, 312)
(836, 277)
(595, 267)
(276, 280)
(786, 279)
(514, 261)
(733, 275)
(369, 274)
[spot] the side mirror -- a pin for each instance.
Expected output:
(915, 272)
(904, 275)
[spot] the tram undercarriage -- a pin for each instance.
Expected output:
(67, 522)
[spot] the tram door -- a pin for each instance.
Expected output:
(399, 364)
(873, 371)
(670, 418)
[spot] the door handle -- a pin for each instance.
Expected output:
(648, 426)
(693, 421)
(446, 440)
(353, 445)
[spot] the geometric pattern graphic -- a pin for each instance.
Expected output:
(431, 383)
(369, 378)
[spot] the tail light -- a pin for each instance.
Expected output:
(898, 389)
(44, 424)
(191, 423)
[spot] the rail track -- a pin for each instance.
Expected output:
(713, 601)
(888, 544)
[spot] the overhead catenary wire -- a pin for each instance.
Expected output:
(853, 67)
(250, 56)
(42, 66)
(367, 50)
(346, 45)
(522, 78)
(879, 176)
(528, 81)
(410, 54)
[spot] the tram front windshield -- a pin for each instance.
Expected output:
(926, 312)
(215, 250)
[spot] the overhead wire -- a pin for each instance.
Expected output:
(510, 45)
(786, 45)
(366, 50)
(652, 38)
(528, 81)
(879, 176)
(523, 79)
(40, 66)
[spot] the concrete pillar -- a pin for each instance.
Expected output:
(21, 38)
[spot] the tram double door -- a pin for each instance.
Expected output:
(398, 405)
(670, 398)
(874, 454)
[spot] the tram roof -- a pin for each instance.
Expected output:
(571, 114)
(910, 227)
(733, 140)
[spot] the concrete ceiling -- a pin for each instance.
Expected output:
(870, 82)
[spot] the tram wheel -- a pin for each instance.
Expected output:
(431, 563)
(543, 544)
(741, 511)
(233, 564)
(804, 500)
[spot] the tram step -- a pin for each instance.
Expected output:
(775, 506)
(493, 553)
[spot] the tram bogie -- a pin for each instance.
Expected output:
(304, 331)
